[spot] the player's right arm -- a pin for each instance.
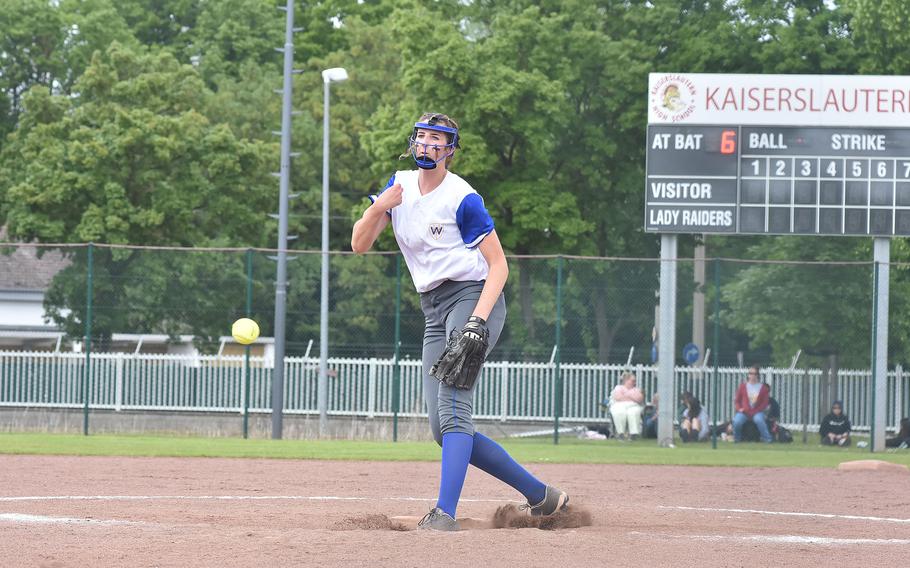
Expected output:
(375, 219)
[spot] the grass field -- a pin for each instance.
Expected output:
(569, 450)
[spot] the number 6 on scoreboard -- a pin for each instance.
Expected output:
(728, 142)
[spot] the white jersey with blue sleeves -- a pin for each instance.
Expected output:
(438, 233)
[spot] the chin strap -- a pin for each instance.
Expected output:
(426, 163)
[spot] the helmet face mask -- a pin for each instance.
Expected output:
(420, 150)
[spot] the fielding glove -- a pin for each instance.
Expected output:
(464, 355)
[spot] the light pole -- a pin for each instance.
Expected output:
(329, 76)
(281, 278)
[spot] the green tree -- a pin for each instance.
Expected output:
(881, 34)
(90, 26)
(823, 309)
(31, 32)
(163, 23)
(51, 44)
(231, 33)
(133, 159)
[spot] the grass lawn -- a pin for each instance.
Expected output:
(541, 450)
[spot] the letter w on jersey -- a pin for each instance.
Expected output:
(439, 232)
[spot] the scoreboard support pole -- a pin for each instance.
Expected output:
(666, 339)
(882, 258)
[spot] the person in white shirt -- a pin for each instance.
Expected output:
(626, 405)
(453, 253)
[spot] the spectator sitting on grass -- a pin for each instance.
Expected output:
(772, 415)
(835, 427)
(693, 424)
(773, 412)
(750, 403)
(649, 418)
(902, 440)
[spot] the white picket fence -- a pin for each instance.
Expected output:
(507, 391)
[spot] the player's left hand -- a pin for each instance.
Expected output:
(464, 355)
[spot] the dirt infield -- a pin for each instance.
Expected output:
(138, 512)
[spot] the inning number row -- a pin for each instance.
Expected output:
(831, 168)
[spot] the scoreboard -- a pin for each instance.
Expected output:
(787, 180)
(777, 155)
(815, 179)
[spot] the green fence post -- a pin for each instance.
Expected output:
(87, 369)
(249, 313)
(716, 353)
(558, 354)
(396, 371)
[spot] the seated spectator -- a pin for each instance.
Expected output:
(773, 413)
(594, 432)
(902, 440)
(724, 431)
(693, 424)
(649, 418)
(751, 403)
(772, 417)
(835, 427)
(626, 406)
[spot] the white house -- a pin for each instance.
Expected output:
(24, 279)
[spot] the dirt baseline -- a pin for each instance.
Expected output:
(106, 512)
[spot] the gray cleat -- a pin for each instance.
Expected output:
(554, 501)
(438, 520)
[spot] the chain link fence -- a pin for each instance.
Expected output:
(574, 314)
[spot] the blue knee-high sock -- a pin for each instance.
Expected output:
(456, 452)
(493, 459)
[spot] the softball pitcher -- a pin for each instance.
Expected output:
(451, 248)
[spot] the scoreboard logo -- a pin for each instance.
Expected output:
(673, 97)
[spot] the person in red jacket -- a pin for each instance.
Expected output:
(751, 401)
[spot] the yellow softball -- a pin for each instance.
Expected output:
(245, 331)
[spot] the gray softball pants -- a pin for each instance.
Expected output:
(448, 307)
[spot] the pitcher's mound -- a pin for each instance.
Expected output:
(872, 465)
(572, 517)
(466, 523)
(371, 523)
(508, 516)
